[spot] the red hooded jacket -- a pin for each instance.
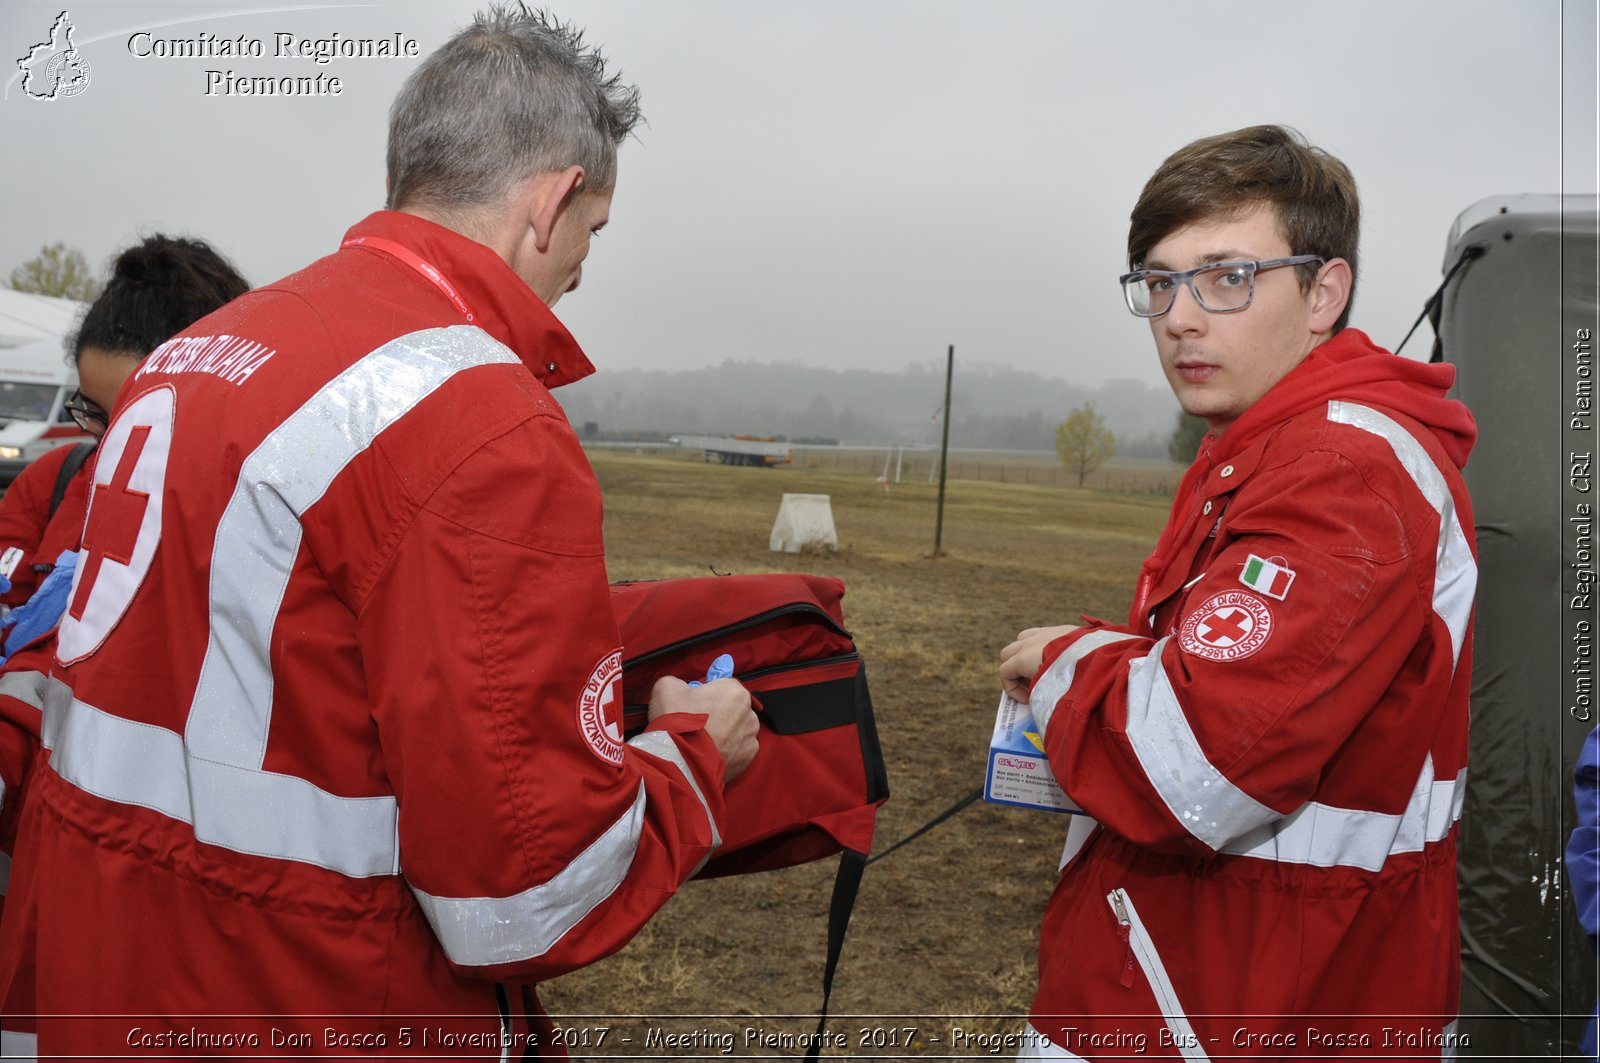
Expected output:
(1275, 744)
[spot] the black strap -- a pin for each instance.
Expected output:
(846, 884)
(932, 823)
(1435, 303)
(69, 469)
(502, 1001)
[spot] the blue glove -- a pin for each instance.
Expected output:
(44, 610)
(721, 668)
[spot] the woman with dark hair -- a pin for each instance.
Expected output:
(158, 287)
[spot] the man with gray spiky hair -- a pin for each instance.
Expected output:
(335, 726)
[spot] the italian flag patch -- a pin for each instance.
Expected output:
(1271, 578)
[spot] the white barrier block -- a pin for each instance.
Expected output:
(804, 520)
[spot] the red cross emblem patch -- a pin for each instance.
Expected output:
(599, 719)
(1226, 627)
(124, 524)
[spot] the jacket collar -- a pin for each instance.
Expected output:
(1348, 366)
(1351, 367)
(502, 303)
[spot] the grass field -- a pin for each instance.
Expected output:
(948, 925)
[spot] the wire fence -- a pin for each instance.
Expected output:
(1122, 477)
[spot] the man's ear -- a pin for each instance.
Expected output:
(1330, 294)
(550, 193)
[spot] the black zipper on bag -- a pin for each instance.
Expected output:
(815, 706)
(771, 669)
(791, 666)
(729, 629)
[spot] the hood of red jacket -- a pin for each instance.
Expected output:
(1349, 367)
(1352, 368)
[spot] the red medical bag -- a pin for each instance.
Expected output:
(818, 777)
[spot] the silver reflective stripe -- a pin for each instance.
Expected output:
(1144, 950)
(1327, 836)
(259, 533)
(19, 1046)
(26, 687)
(1057, 679)
(1455, 573)
(1199, 796)
(1036, 1045)
(663, 745)
(257, 812)
(211, 777)
(479, 931)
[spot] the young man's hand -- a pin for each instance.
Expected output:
(1020, 660)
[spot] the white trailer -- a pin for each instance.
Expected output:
(739, 450)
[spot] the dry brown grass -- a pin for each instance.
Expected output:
(947, 926)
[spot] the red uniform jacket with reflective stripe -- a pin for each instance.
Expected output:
(27, 525)
(336, 724)
(1275, 745)
(42, 536)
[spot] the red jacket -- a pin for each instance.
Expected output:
(335, 727)
(28, 527)
(25, 516)
(1275, 745)
(38, 537)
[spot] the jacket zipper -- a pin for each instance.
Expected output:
(740, 625)
(1131, 930)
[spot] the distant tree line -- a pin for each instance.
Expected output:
(995, 408)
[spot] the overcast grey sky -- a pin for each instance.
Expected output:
(847, 183)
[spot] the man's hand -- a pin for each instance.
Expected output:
(730, 721)
(1020, 660)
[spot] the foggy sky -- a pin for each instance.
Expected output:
(848, 184)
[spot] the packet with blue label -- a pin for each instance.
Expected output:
(1019, 773)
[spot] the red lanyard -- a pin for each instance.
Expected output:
(418, 263)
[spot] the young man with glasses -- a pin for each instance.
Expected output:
(1273, 747)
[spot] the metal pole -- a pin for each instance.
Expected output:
(944, 452)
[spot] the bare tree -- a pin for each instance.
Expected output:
(56, 270)
(1084, 442)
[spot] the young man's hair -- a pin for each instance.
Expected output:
(515, 94)
(1222, 177)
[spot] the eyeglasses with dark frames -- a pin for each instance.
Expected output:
(1219, 288)
(88, 414)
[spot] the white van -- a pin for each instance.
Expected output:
(35, 383)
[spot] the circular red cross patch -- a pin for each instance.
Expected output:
(1226, 627)
(599, 718)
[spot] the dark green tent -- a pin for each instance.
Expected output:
(1518, 320)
